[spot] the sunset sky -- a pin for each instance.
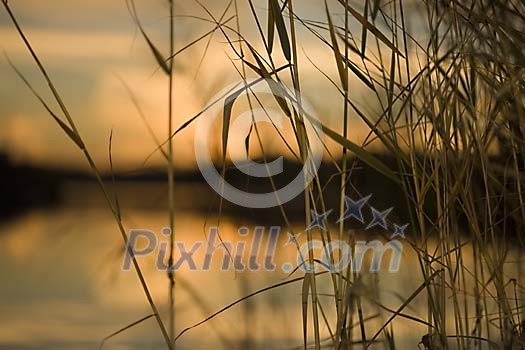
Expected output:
(90, 46)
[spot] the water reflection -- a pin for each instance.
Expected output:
(62, 287)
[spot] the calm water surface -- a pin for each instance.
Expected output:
(62, 287)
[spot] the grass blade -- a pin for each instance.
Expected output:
(124, 329)
(276, 88)
(360, 152)
(251, 295)
(271, 27)
(226, 117)
(281, 29)
(69, 132)
(161, 61)
(373, 29)
(307, 282)
(338, 58)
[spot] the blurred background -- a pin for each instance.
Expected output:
(61, 284)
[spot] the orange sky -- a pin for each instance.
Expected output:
(88, 46)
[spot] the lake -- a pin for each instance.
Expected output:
(62, 284)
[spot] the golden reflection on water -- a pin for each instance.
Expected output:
(62, 287)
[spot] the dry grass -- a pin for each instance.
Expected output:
(454, 124)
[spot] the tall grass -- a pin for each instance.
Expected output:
(451, 109)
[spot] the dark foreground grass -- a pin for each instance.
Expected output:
(450, 99)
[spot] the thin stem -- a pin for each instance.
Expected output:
(339, 306)
(98, 177)
(171, 196)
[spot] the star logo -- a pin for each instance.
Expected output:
(399, 231)
(292, 239)
(379, 218)
(318, 220)
(353, 209)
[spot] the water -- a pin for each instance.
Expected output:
(62, 286)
